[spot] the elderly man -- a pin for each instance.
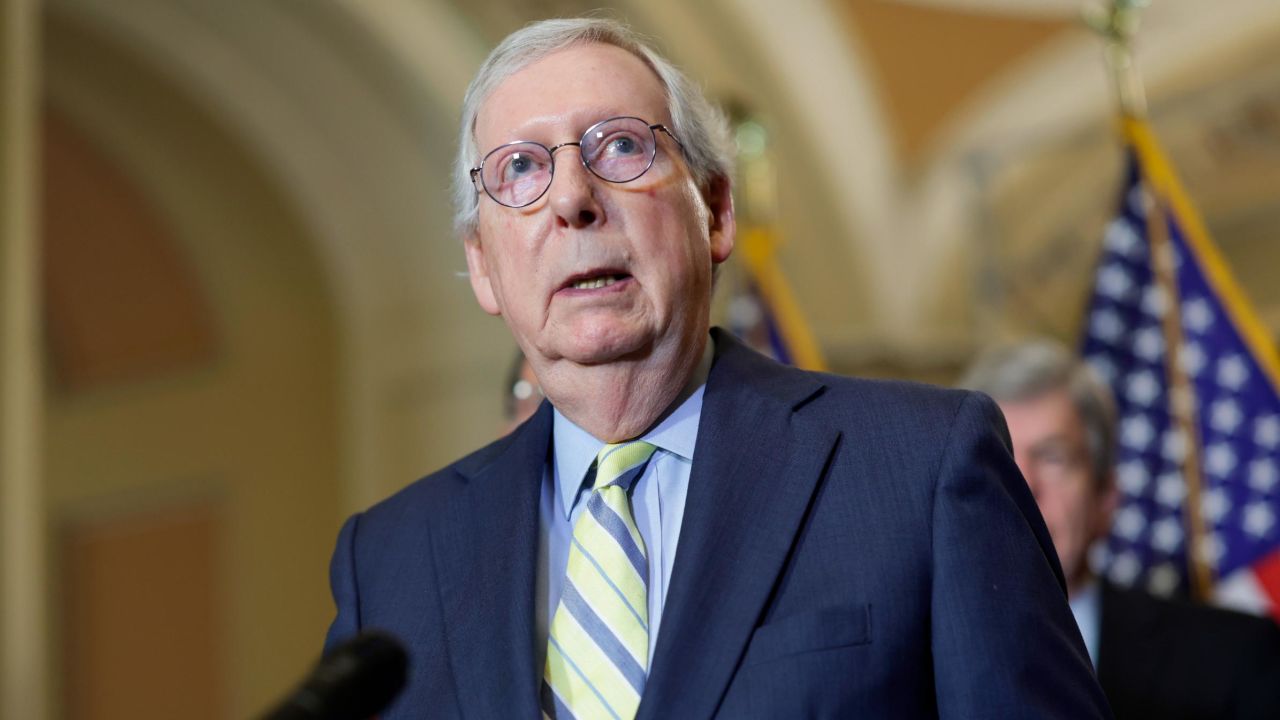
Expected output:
(1155, 658)
(686, 529)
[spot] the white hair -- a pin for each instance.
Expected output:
(1032, 368)
(701, 127)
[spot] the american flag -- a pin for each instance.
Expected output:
(1231, 365)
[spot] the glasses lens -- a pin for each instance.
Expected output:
(620, 149)
(517, 174)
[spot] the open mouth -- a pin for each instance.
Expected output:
(595, 280)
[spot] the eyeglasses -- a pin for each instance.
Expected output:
(617, 150)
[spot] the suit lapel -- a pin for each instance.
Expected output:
(756, 464)
(486, 555)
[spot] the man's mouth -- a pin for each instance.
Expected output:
(595, 280)
(599, 282)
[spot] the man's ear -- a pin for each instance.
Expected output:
(478, 272)
(724, 228)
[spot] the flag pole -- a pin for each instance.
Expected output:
(1117, 23)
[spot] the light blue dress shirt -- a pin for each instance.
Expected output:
(1086, 605)
(657, 501)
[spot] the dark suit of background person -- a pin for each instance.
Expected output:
(1155, 658)
(1179, 661)
(847, 548)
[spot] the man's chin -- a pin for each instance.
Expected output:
(606, 347)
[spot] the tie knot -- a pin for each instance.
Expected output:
(617, 461)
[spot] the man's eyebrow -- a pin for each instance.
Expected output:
(1055, 440)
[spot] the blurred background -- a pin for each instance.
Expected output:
(233, 308)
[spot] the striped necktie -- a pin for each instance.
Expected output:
(598, 649)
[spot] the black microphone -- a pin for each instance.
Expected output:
(356, 681)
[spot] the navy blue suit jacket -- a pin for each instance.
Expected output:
(850, 548)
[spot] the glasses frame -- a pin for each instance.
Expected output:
(477, 171)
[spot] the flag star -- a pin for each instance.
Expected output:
(1173, 447)
(1197, 316)
(1114, 282)
(1122, 238)
(1106, 325)
(1099, 556)
(1220, 459)
(1138, 200)
(1225, 416)
(1170, 490)
(1191, 358)
(1142, 388)
(1166, 535)
(1153, 301)
(1163, 580)
(1125, 568)
(1130, 522)
(1263, 475)
(1136, 432)
(1215, 505)
(1232, 372)
(1148, 343)
(1132, 477)
(1266, 431)
(1258, 519)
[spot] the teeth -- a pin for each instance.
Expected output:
(594, 284)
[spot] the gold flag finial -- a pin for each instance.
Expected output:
(1117, 22)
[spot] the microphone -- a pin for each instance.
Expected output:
(356, 681)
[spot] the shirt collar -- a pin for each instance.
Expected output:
(576, 449)
(1086, 607)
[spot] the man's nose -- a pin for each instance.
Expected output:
(573, 192)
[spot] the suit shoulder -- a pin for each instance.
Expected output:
(840, 397)
(899, 402)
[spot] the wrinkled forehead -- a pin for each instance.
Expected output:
(557, 97)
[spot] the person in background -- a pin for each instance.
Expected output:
(521, 394)
(1155, 658)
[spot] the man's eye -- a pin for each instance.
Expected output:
(622, 145)
(518, 165)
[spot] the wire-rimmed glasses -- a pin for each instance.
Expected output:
(617, 150)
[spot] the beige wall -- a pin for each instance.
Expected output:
(245, 428)
(23, 617)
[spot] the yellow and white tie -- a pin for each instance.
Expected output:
(598, 650)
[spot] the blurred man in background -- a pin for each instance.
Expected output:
(1155, 658)
(521, 395)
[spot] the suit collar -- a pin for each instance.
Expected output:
(486, 558)
(759, 459)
